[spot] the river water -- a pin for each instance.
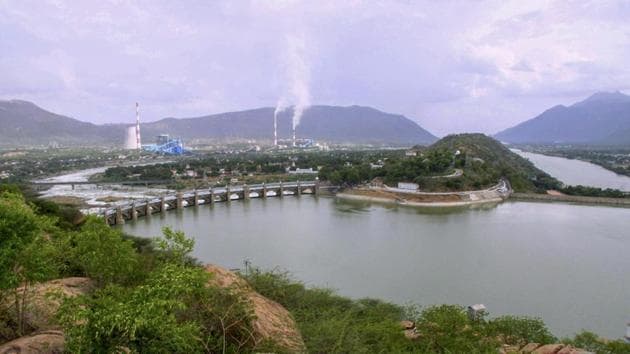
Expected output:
(576, 172)
(568, 264)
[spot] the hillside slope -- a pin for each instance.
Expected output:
(596, 120)
(485, 160)
(353, 124)
(25, 124)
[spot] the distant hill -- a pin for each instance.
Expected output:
(487, 160)
(25, 124)
(601, 119)
(354, 124)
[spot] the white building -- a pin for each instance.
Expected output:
(409, 186)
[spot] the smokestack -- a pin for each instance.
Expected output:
(138, 143)
(294, 136)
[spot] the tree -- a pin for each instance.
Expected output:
(25, 257)
(175, 247)
(102, 254)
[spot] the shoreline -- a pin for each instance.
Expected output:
(349, 196)
(571, 199)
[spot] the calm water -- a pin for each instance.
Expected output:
(575, 172)
(568, 264)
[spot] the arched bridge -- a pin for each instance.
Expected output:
(118, 214)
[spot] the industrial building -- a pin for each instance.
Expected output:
(166, 145)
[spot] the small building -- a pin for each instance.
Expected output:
(411, 153)
(476, 311)
(303, 171)
(408, 185)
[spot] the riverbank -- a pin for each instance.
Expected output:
(495, 194)
(618, 202)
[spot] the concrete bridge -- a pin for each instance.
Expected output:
(119, 214)
(45, 184)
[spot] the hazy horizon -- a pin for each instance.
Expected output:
(449, 66)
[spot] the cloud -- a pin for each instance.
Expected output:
(451, 66)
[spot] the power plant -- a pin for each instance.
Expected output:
(163, 145)
(166, 145)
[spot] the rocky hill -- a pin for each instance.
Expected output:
(601, 119)
(353, 124)
(25, 124)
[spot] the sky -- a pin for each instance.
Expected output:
(451, 66)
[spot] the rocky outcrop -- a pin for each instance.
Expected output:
(535, 348)
(46, 342)
(44, 299)
(272, 321)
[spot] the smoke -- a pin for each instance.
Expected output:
(130, 141)
(298, 76)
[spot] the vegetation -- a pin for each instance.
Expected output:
(153, 297)
(593, 192)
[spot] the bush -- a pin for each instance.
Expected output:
(102, 253)
(592, 342)
(520, 330)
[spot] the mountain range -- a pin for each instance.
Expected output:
(25, 124)
(601, 119)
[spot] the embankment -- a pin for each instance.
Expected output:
(619, 202)
(418, 199)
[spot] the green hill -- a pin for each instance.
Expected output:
(484, 161)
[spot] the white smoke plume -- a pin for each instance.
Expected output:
(130, 140)
(298, 76)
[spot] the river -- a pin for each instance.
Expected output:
(566, 263)
(577, 172)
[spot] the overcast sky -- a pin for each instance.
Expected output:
(450, 66)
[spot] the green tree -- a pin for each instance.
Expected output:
(102, 253)
(26, 257)
(175, 247)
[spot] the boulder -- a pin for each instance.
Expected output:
(411, 334)
(272, 321)
(44, 299)
(548, 349)
(572, 350)
(46, 342)
(529, 348)
(406, 324)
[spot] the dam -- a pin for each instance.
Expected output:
(131, 211)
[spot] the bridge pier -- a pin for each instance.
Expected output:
(281, 190)
(147, 209)
(196, 200)
(211, 195)
(245, 192)
(227, 194)
(120, 219)
(264, 190)
(162, 204)
(180, 200)
(316, 188)
(134, 212)
(299, 189)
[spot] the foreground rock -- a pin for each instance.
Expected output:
(535, 348)
(46, 342)
(272, 322)
(44, 300)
